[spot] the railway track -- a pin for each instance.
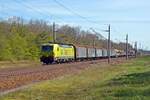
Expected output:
(14, 78)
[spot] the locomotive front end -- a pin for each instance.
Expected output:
(47, 53)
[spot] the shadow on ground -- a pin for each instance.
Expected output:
(132, 79)
(132, 85)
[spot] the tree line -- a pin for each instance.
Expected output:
(21, 40)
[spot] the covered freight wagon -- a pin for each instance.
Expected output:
(91, 52)
(104, 52)
(81, 52)
(99, 52)
(113, 53)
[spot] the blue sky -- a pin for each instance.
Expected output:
(125, 16)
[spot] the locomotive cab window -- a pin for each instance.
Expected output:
(47, 48)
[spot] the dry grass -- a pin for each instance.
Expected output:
(16, 64)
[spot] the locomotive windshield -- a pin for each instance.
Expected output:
(47, 48)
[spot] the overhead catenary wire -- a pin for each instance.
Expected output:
(3, 13)
(122, 34)
(39, 11)
(29, 6)
(77, 14)
(124, 21)
(49, 15)
(74, 12)
(98, 22)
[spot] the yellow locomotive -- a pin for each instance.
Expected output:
(51, 52)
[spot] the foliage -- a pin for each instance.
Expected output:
(21, 40)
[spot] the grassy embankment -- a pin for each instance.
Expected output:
(128, 81)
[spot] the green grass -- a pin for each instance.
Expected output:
(128, 81)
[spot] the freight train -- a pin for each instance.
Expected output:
(57, 52)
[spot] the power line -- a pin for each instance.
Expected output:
(37, 10)
(41, 12)
(51, 15)
(75, 13)
(29, 7)
(97, 22)
(3, 13)
(115, 31)
(124, 21)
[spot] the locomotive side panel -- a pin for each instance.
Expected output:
(65, 51)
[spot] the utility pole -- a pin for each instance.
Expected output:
(108, 43)
(54, 33)
(94, 42)
(127, 47)
(135, 49)
(108, 48)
